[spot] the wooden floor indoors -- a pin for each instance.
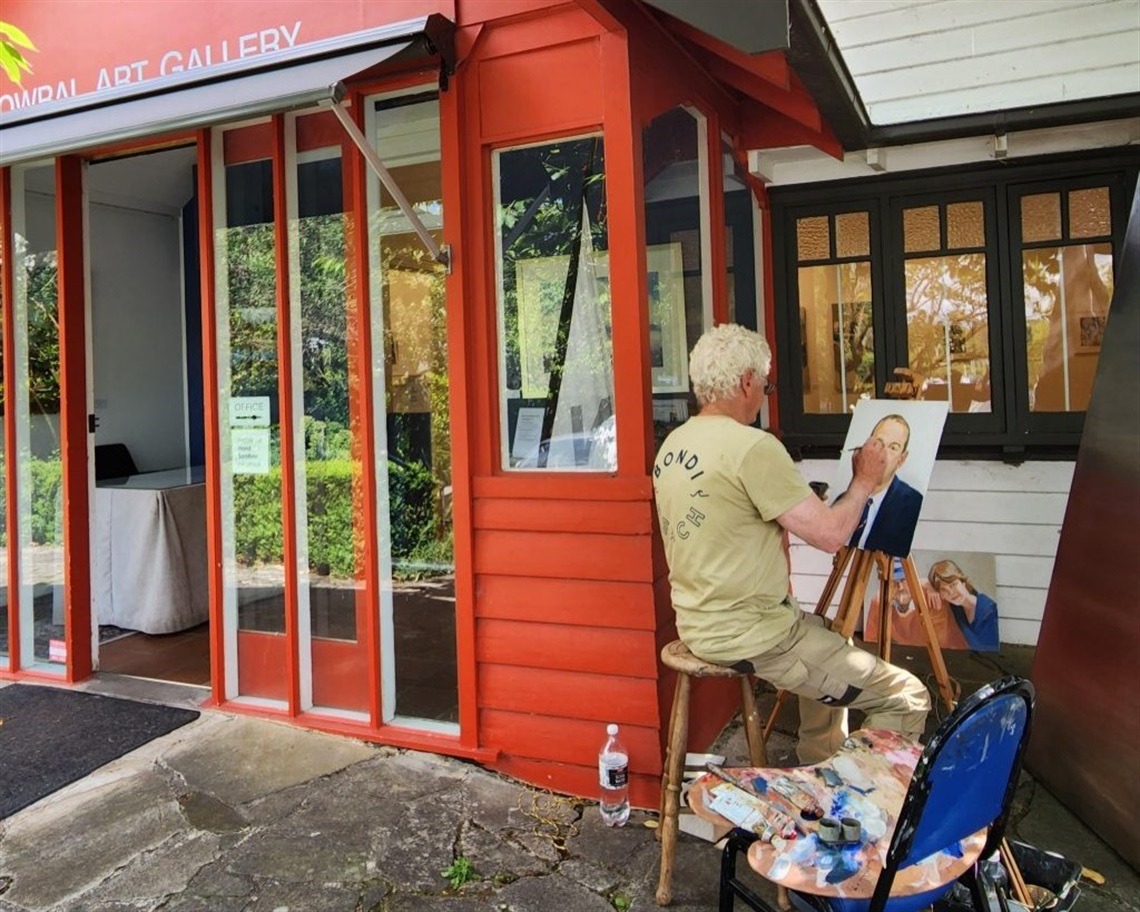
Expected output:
(182, 657)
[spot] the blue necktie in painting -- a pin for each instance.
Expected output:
(858, 533)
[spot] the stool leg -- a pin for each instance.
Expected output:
(668, 754)
(675, 766)
(757, 749)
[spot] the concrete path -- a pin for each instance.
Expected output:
(233, 814)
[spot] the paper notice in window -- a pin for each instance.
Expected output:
(528, 433)
(250, 451)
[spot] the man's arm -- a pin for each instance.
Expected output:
(829, 528)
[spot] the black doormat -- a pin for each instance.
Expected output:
(50, 737)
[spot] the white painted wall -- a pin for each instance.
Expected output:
(918, 59)
(138, 356)
(1012, 512)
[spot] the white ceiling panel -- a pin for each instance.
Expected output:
(920, 59)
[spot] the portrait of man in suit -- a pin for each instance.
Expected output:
(890, 516)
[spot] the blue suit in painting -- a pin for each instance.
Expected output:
(893, 527)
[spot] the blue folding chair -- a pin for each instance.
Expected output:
(964, 782)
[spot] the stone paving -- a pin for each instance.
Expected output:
(235, 814)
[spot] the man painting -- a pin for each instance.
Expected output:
(889, 519)
(726, 493)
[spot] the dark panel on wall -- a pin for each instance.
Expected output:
(1086, 734)
(744, 24)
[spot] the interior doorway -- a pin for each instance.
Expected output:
(149, 593)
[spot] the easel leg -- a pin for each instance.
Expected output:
(883, 565)
(933, 647)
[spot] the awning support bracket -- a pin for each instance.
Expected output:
(440, 254)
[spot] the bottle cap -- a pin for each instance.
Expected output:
(611, 729)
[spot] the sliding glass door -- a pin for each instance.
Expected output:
(332, 421)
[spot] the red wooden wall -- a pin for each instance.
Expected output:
(571, 596)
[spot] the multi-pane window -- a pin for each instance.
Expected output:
(837, 335)
(947, 304)
(1066, 277)
(992, 288)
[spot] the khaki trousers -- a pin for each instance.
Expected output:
(831, 675)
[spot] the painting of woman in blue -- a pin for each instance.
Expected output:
(975, 612)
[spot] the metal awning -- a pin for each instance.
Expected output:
(282, 81)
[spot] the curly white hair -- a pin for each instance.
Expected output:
(721, 358)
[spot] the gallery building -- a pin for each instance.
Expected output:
(345, 333)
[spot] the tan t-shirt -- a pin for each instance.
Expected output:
(720, 486)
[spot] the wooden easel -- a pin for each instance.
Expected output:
(850, 609)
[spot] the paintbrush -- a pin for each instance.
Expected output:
(783, 824)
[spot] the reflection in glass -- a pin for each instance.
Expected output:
(837, 336)
(556, 355)
(36, 401)
(741, 213)
(1068, 291)
(947, 316)
(413, 446)
(253, 568)
(676, 190)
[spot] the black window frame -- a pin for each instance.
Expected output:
(1009, 431)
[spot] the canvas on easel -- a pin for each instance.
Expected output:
(910, 432)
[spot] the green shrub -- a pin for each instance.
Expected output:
(333, 542)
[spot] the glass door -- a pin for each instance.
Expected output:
(411, 393)
(338, 580)
(248, 346)
(36, 401)
(329, 423)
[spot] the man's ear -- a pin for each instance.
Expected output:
(902, 459)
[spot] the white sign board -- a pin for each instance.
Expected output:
(528, 432)
(249, 412)
(250, 451)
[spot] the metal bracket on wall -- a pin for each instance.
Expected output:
(440, 254)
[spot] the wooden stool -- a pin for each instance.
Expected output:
(676, 655)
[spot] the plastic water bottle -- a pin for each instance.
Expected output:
(613, 771)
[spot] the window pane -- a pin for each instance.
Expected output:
(36, 401)
(327, 424)
(837, 339)
(253, 566)
(1089, 213)
(921, 229)
(852, 234)
(948, 332)
(813, 238)
(965, 225)
(556, 356)
(1068, 291)
(419, 659)
(677, 242)
(1041, 217)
